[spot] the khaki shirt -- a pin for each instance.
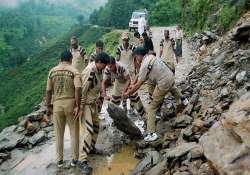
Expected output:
(159, 74)
(168, 55)
(125, 57)
(62, 81)
(120, 75)
(91, 84)
(79, 61)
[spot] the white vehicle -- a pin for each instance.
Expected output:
(133, 23)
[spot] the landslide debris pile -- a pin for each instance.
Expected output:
(31, 130)
(211, 136)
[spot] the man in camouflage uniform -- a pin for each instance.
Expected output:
(64, 83)
(79, 55)
(99, 46)
(167, 51)
(122, 80)
(154, 70)
(89, 121)
(124, 53)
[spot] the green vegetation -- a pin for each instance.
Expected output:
(199, 15)
(117, 13)
(24, 30)
(21, 36)
(166, 13)
(194, 15)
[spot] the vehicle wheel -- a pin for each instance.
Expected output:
(130, 29)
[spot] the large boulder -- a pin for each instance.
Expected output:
(122, 122)
(227, 145)
(152, 158)
(158, 169)
(37, 138)
(242, 33)
(9, 139)
(181, 150)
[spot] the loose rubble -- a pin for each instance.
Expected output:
(32, 129)
(211, 135)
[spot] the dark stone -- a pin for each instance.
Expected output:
(5, 156)
(181, 150)
(158, 169)
(242, 33)
(152, 158)
(182, 121)
(122, 122)
(9, 139)
(37, 138)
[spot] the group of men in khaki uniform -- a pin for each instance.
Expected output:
(78, 87)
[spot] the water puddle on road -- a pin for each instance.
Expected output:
(120, 163)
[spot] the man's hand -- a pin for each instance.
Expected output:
(125, 95)
(99, 102)
(107, 98)
(78, 113)
(132, 86)
(49, 110)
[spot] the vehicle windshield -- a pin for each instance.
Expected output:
(136, 15)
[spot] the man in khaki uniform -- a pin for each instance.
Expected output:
(154, 70)
(64, 83)
(79, 59)
(89, 121)
(167, 52)
(118, 72)
(124, 53)
(99, 48)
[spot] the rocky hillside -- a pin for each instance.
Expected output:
(211, 136)
(212, 14)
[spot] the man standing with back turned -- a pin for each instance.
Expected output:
(64, 83)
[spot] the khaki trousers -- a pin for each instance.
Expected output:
(89, 129)
(62, 114)
(157, 98)
(174, 91)
(134, 98)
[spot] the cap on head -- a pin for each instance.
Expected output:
(66, 56)
(103, 58)
(125, 35)
(140, 51)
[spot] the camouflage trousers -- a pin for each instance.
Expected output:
(89, 129)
